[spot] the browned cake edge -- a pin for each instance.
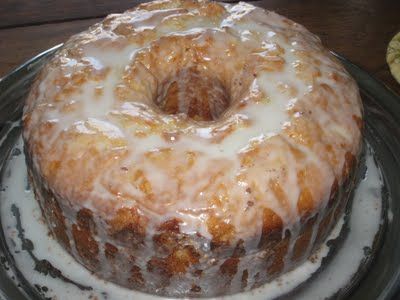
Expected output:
(179, 264)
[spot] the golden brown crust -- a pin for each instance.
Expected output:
(221, 145)
(194, 94)
(175, 256)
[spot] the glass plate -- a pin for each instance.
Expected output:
(382, 120)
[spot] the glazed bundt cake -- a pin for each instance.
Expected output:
(184, 141)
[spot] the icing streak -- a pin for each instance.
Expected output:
(232, 121)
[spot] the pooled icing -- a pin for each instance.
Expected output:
(364, 222)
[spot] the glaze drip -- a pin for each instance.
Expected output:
(230, 122)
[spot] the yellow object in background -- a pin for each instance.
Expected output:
(393, 56)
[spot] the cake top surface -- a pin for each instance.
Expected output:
(217, 115)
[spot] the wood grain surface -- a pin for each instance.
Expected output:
(358, 29)
(30, 12)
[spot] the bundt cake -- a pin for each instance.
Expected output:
(192, 148)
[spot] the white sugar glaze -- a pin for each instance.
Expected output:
(364, 222)
(94, 103)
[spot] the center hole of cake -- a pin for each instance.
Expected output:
(194, 93)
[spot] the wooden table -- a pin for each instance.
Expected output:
(358, 29)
